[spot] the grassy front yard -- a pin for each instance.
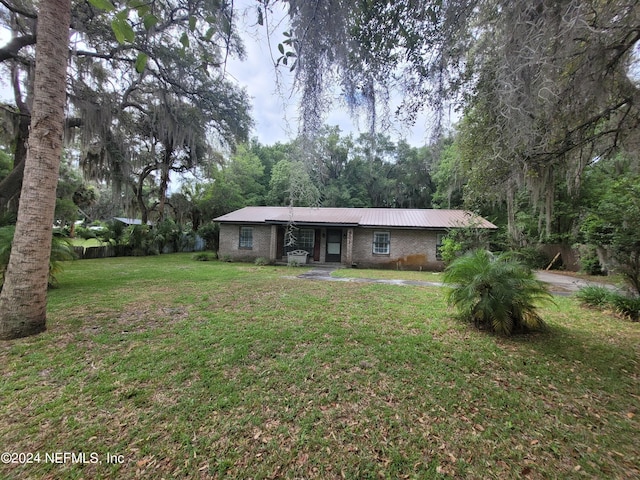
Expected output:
(184, 369)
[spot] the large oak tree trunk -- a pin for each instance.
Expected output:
(23, 299)
(165, 169)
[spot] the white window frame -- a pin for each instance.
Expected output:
(245, 238)
(310, 233)
(381, 247)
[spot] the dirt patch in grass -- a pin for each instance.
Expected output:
(133, 320)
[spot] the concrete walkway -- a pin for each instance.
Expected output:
(558, 284)
(324, 273)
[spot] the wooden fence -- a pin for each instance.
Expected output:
(563, 256)
(106, 251)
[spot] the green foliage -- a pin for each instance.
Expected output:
(595, 296)
(269, 156)
(173, 109)
(240, 182)
(166, 234)
(140, 239)
(6, 238)
(113, 233)
(589, 261)
(103, 4)
(61, 250)
(70, 191)
(628, 307)
(602, 297)
(340, 171)
(532, 257)
(85, 196)
(450, 250)
(414, 184)
(495, 292)
(86, 233)
(614, 223)
(6, 164)
(449, 178)
(205, 256)
(261, 261)
(121, 27)
(8, 218)
(246, 171)
(279, 183)
(209, 233)
(66, 211)
(220, 196)
(459, 241)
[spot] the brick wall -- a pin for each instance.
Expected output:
(409, 250)
(230, 241)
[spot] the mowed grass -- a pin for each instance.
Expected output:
(214, 370)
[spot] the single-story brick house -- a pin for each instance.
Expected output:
(364, 237)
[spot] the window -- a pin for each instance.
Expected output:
(381, 243)
(306, 240)
(439, 238)
(299, 239)
(246, 238)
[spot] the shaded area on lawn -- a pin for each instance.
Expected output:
(208, 369)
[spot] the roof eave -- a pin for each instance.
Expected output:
(311, 224)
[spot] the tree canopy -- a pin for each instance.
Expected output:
(138, 70)
(544, 88)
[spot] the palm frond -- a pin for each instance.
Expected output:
(61, 250)
(495, 292)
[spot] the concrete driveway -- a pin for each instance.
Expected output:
(566, 284)
(559, 284)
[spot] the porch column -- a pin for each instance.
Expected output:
(349, 253)
(274, 242)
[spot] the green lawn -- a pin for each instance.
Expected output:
(208, 370)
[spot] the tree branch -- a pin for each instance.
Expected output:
(19, 11)
(11, 49)
(104, 56)
(12, 110)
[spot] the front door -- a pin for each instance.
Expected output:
(334, 246)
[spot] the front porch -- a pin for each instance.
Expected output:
(331, 246)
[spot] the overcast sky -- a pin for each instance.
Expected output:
(274, 109)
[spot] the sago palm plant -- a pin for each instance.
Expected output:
(495, 292)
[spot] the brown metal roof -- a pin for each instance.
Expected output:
(363, 217)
